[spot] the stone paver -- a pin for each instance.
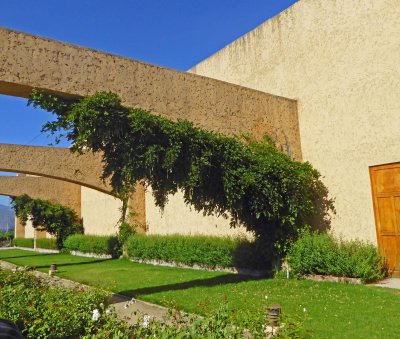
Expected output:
(389, 282)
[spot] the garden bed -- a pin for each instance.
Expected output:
(351, 310)
(332, 278)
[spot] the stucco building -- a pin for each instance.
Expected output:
(338, 60)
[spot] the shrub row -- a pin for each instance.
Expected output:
(23, 242)
(46, 243)
(93, 244)
(201, 250)
(315, 253)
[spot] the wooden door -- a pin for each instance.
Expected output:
(385, 183)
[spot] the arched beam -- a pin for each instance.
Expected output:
(55, 191)
(62, 164)
(56, 163)
(28, 61)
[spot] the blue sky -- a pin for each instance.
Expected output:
(174, 33)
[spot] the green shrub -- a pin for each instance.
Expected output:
(56, 219)
(47, 243)
(321, 253)
(9, 235)
(125, 231)
(43, 312)
(201, 250)
(23, 242)
(93, 244)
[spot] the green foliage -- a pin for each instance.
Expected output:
(9, 235)
(47, 243)
(207, 251)
(44, 312)
(249, 181)
(41, 311)
(97, 244)
(23, 242)
(53, 218)
(321, 253)
(223, 323)
(125, 231)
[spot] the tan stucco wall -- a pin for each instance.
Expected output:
(340, 60)
(54, 162)
(100, 212)
(61, 163)
(180, 218)
(28, 61)
(56, 191)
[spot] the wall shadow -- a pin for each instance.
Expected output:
(210, 282)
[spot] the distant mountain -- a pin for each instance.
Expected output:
(7, 217)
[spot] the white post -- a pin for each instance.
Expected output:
(34, 239)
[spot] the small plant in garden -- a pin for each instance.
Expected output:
(55, 219)
(43, 312)
(9, 235)
(321, 253)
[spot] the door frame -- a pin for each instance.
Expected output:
(375, 207)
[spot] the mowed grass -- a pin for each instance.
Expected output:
(332, 310)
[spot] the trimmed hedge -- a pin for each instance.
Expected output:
(47, 243)
(321, 253)
(93, 244)
(23, 242)
(201, 250)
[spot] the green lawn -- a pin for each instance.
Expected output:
(333, 310)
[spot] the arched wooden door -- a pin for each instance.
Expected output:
(385, 183)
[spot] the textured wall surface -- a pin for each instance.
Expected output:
(100, 212)
(28, 61)
(180, 218)
(56, 191)
(340, 60)
(57, 163)
(60, 163)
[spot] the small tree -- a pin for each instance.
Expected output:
(247, 180)
(55, 219)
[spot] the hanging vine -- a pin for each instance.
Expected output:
(55, 219)
(248, 181)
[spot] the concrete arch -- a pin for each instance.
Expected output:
(56, 163)
(56, 191)
(28, 62)
(62, 164)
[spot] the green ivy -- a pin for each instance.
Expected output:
(248, 181)
(55, 219)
